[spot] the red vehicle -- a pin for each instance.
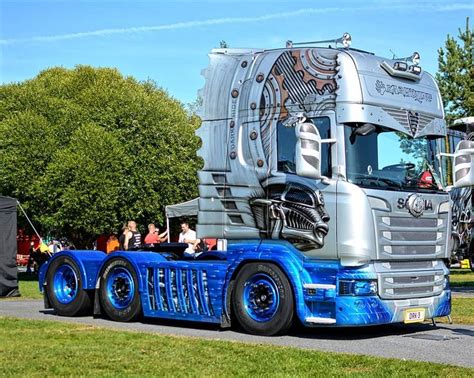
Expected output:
(23, 246)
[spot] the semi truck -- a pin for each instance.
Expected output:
(462, 208)
(318, 180)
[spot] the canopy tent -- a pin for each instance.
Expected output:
(8, 247)
(184, 209)
(188, 208)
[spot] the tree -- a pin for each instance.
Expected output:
(223, 44)
(456, 74)
(87, 149)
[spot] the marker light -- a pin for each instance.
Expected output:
(414, 69)
(400, 66)
(346, 40)
(415, 58)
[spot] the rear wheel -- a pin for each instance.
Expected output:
(119, 295)
(263, 299)
(64, 288)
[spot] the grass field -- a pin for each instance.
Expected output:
(461, 277)
(28, 284)
(39, 348)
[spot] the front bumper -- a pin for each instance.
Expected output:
(357, 311)
(326, 302)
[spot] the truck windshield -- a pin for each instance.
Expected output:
(388, 159)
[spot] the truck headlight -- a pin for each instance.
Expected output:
(357, 287)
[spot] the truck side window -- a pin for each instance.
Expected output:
(286, 144)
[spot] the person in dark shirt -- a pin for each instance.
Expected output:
(133, 239)
(122, 238)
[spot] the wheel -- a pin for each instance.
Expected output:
(64, 288)
(263, 300)
(118, 293)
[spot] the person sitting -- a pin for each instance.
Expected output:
(188, 236)
(154, 236)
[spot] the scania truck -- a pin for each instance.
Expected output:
(318, 180)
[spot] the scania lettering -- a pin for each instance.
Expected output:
(318, 182)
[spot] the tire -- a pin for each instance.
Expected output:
(118, 293)
(262, 300)
(64, 288)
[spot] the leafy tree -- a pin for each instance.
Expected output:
(456, 74)
(87, 149)
(73, 184)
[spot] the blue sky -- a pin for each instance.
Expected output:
(168, 41)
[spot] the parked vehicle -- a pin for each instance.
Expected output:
(462, 205)
(318, 181)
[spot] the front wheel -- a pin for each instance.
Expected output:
(119, 295)
(64, 288)
(263, 300)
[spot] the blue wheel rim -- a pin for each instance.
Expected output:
(261, 297)
(65, 284)
(120, 287)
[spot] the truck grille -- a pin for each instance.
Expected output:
(402, 237)
(402, 116)
(405, 285)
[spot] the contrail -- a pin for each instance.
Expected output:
(231, 20)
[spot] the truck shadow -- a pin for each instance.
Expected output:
(298, 331)
(358, 333)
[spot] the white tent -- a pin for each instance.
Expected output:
(184, 209)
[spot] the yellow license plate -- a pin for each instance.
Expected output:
(414, 315)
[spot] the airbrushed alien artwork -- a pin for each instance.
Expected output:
(292, 212)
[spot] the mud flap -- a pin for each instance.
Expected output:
(47, 305)
(97, 309)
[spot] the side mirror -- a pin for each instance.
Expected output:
(308, 151)
(463, 164)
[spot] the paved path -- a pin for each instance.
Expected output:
(463, 291)
(449, 344)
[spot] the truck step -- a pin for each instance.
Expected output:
(317, 320)
(315, 286)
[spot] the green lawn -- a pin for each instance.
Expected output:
(462, 311)
(42, 348)
(28, 284)
(461, 277)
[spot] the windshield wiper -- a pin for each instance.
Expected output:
(390, 184)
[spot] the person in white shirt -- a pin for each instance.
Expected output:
(188, 236)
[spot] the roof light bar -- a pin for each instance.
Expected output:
(345, 40)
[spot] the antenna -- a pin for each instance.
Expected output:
(414, 58)
(345, 40)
